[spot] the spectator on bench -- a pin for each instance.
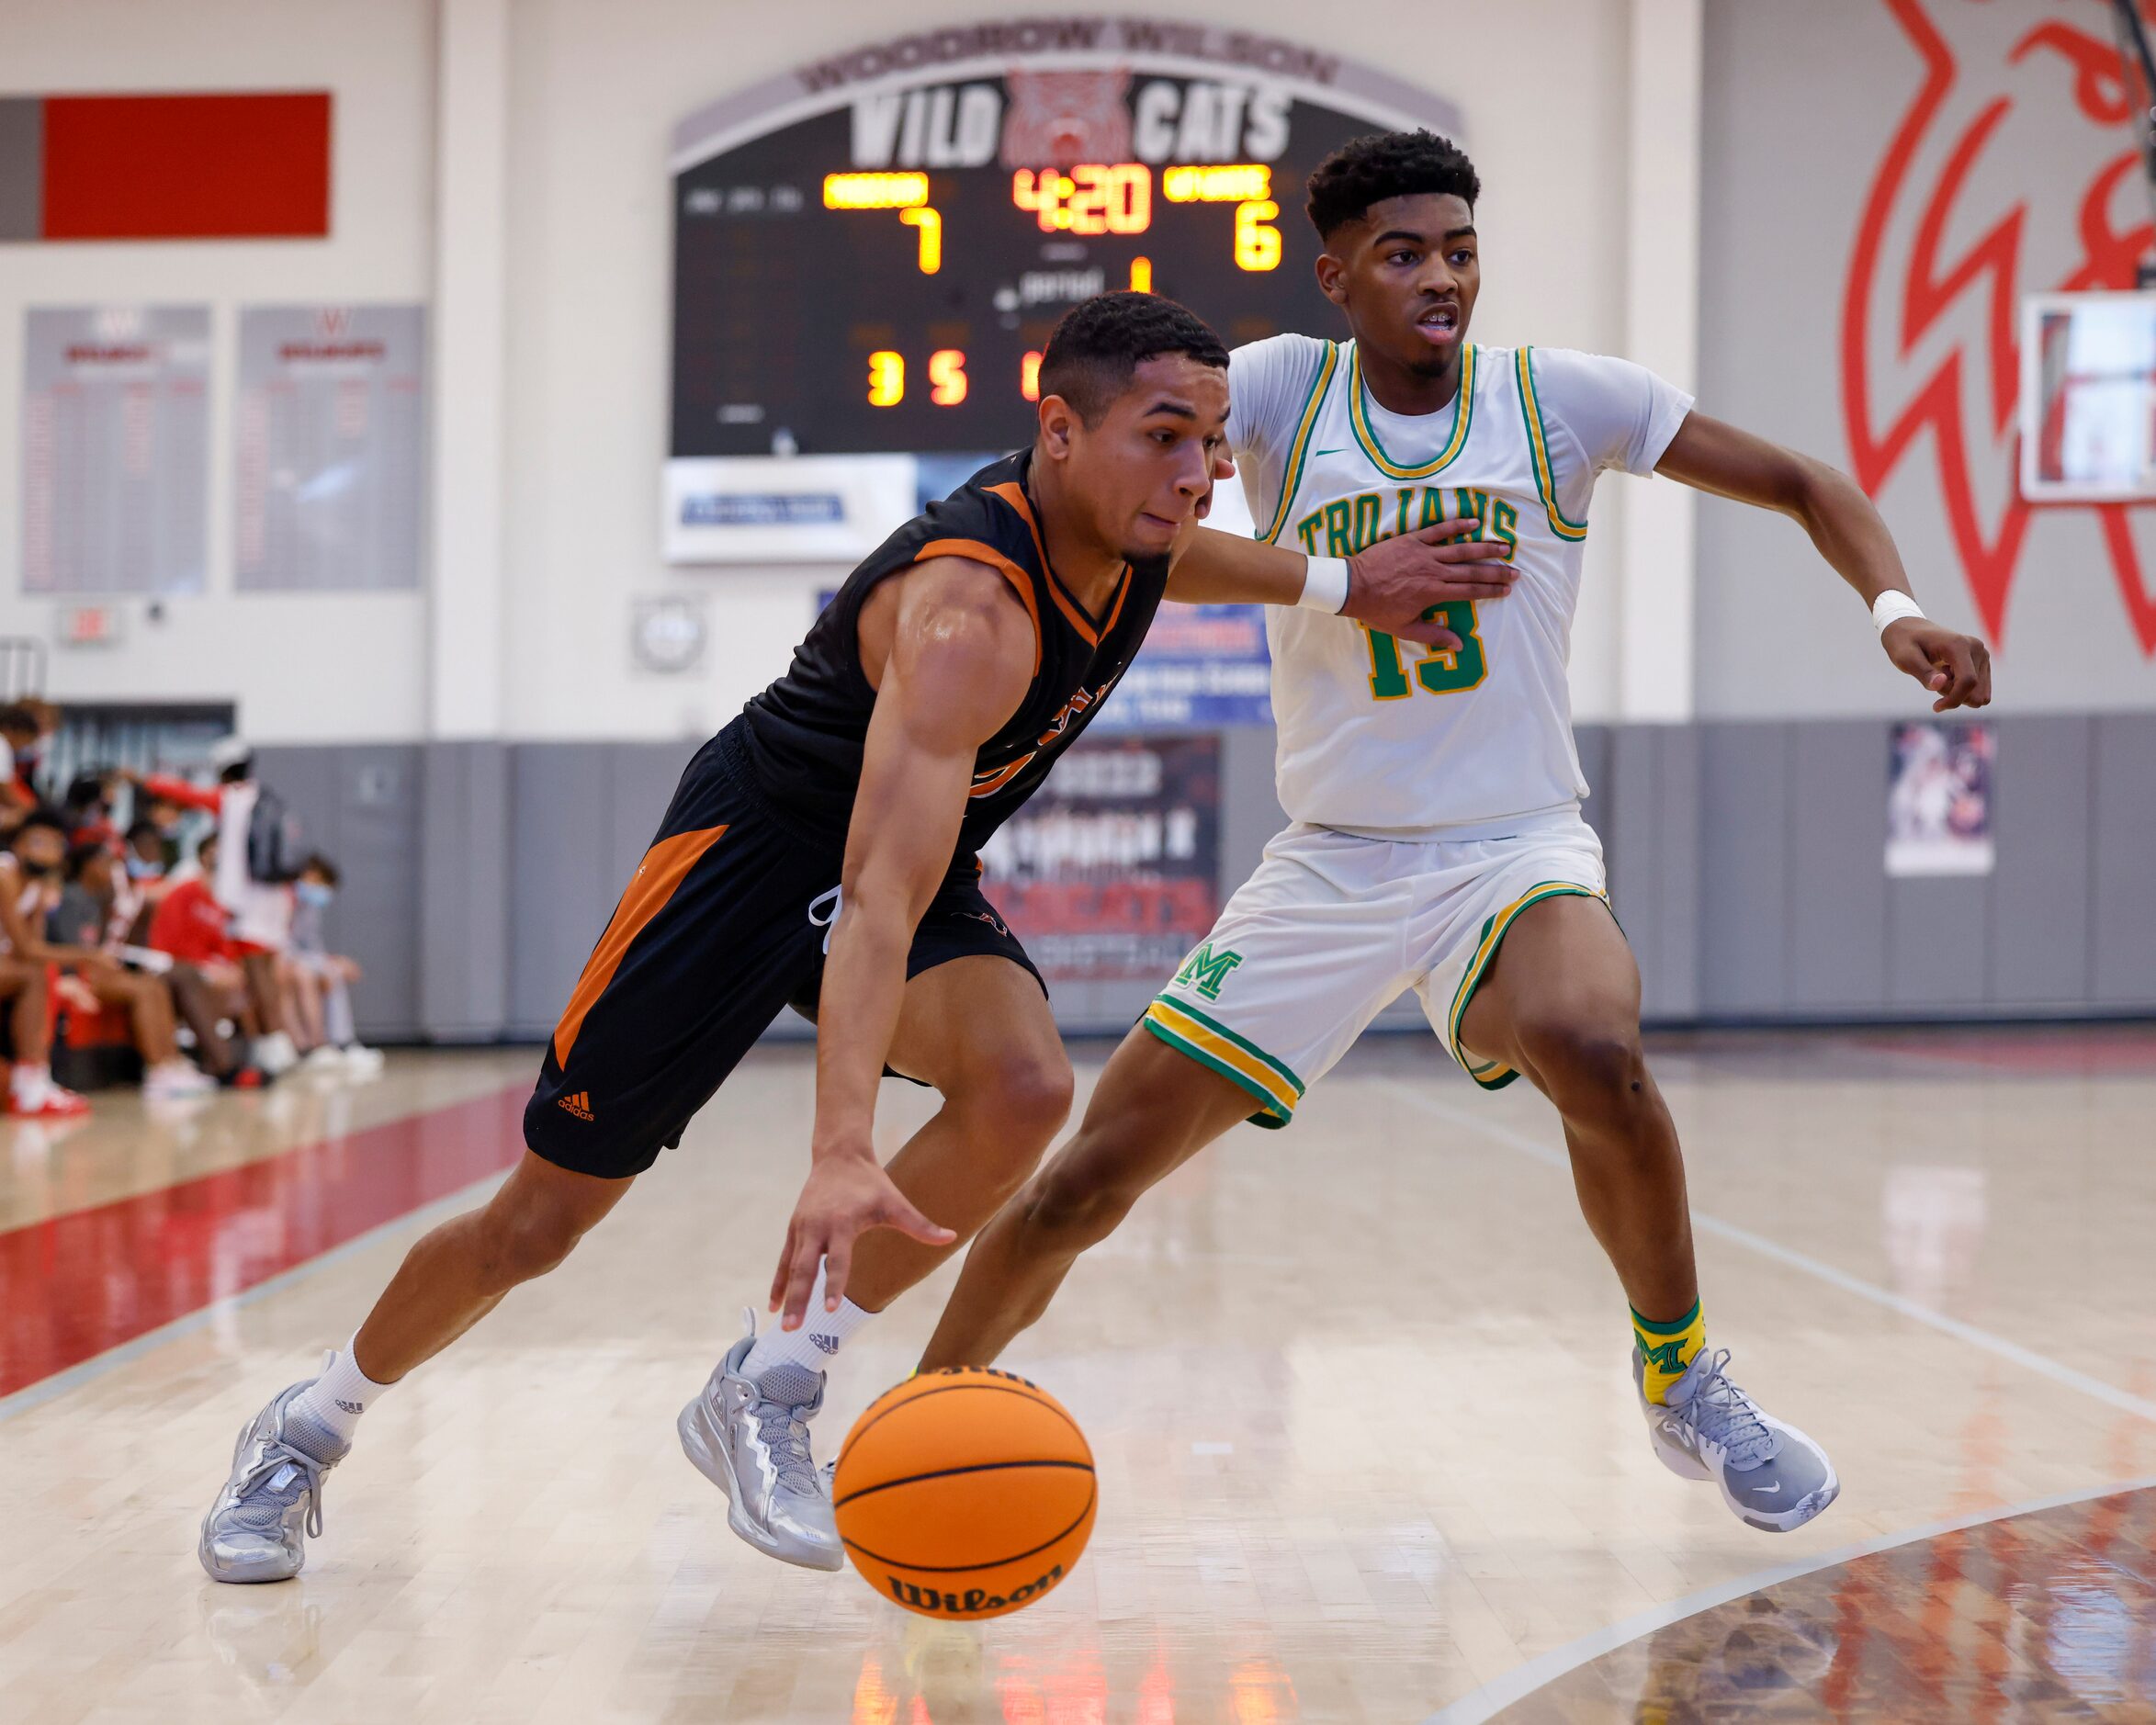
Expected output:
(148, 869)
(21, 750)
(31, 1094)
(195, 931)
(29, 894)
(319, 981)
(99, 895)
(259, 912)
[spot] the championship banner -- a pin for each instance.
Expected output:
(115, 449)
(329, 475)
(1110, 874)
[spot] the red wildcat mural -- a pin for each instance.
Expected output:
(1930, 306)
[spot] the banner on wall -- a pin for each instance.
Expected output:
(1939, 799)
(1111, 872)
(329, 472)
(1201, 667)
(785, 509)
(114, 448)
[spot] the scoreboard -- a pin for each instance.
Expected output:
(871, 252)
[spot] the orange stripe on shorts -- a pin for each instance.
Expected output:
(665, 866)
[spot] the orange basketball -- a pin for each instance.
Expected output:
(965, 1493)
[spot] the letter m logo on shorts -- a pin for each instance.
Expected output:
(1206, 970)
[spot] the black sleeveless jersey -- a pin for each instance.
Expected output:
(804, 735)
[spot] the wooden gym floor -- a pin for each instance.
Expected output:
(1358, 1390)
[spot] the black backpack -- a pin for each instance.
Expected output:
(273, 840)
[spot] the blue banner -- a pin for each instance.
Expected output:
(1201, 667)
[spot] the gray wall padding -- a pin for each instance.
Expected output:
(1746, 864)
(360, 805)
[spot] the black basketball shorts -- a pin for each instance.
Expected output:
(722, 927)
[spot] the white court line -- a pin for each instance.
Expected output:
(2026, 1357)
(1545, 1668)
(97, 1365)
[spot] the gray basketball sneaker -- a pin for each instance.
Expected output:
(257, 1528)
(751, 1440)
(1772, 1476)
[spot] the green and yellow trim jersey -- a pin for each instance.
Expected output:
(1379, 735)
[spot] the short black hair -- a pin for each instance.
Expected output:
(1102, 341)
(145, 830)
(44, 818)
(1382, 164)
(81, 854)
(317, 863)
(16, 719)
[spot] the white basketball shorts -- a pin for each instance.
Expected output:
(1332, 928)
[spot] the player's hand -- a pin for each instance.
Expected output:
(1956, 667)
(846, 1195)
(1392, 584)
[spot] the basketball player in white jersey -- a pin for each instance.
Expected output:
(1437, 842)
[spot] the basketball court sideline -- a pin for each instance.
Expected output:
(1355, 1391)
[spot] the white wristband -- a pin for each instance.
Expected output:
(1892, 608)
(1325, 584)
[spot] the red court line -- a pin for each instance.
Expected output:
(73, 1286)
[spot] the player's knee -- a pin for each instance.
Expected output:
(1074, 1203)
(1589, 1064)
(1024, 1097)
(525, 1244)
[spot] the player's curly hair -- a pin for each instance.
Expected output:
(1102, 341)
(1382, 164)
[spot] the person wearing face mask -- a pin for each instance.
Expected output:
(143, 859)
(24, 974)
(320, 980)
(38, 928)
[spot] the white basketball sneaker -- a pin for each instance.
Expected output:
(257, 1528)
(749, 1438)
(1772, 1476)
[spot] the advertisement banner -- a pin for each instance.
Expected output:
(1201, 667)
(1110, 874)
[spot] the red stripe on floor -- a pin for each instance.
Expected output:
(73, 1286)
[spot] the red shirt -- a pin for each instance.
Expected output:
(161, 787)
(191, 925)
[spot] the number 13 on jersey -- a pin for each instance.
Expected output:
(1439, 672)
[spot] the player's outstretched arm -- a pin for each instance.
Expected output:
(1389, 584)
(961, 656)
(1713, 456)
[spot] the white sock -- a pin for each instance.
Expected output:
(336, 1400)
(813, 1347)
(30, 1084)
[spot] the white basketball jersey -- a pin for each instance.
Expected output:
(1384, 737)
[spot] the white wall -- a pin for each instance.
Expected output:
(305, 667)
(596, 92)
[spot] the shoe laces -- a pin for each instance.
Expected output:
(273, 1483)
(786, 1434)
(1724, 1416)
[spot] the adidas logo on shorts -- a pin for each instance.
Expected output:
(579, 1104)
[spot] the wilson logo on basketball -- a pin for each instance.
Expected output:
(974, 1600)
(579, 1104)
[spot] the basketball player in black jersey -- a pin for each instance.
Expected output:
(822, 851)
